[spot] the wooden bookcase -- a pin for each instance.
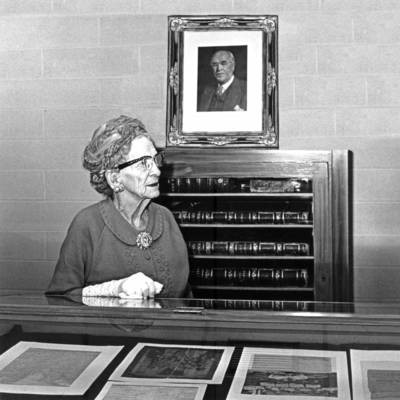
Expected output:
(262, 224)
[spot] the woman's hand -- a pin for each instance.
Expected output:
(139, 286)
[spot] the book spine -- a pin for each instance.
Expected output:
(280, 185)
(275, 305)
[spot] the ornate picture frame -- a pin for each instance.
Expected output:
(222, 81)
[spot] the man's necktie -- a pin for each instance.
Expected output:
(219, 91)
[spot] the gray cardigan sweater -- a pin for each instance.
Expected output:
(101, 245)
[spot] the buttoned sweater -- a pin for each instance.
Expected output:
(100, 246)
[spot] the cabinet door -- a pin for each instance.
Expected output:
(247, 237)
(323, 279)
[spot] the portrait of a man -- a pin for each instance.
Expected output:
(222, 79)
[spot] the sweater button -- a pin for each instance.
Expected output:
(147, 255)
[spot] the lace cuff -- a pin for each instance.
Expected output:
(105, 289)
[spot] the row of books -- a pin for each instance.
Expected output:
(251, 304)
(250, 276)
(242, 217)
(226, 185)
(200, 247)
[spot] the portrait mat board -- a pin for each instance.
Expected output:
(52, 368)
(151, 391)
(375, 374)
(222, 121)
(174, 363)
(290, 374)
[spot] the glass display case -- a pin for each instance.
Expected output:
(258, 326)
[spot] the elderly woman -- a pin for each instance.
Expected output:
(125, 245)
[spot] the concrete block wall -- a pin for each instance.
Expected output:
(68, 65)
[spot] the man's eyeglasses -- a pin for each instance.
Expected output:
(146, 161)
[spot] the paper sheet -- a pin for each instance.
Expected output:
(53, 369)
(174, 363)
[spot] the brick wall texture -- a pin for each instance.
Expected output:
(68, 65)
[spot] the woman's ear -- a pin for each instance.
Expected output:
(113, 180)
(112, 177)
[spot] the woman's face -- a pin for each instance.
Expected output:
(139, 181)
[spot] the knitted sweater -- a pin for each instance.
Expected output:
(101, 245)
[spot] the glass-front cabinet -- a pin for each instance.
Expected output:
(262, 224)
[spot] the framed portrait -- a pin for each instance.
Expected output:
(222, 81)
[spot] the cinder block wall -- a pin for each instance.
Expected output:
(68, 65)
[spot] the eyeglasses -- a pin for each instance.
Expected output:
(146, 161)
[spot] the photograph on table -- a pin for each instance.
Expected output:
(174, 363)
(152, 391)
(290, 374)
(222, 81)
(375, 374)
(52, 368)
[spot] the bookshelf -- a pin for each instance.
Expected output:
(262, 224)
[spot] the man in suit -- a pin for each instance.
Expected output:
(229, 92)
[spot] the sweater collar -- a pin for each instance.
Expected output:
(122, 229)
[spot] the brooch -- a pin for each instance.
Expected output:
(144, 240)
